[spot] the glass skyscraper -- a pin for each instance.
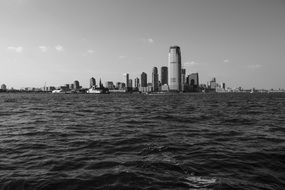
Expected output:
(143, 79)
(174, 69)
(164, 75)
(155, 79)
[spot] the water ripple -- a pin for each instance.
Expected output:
(183, 141)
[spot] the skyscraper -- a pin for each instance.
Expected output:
(137, 83)
(143, 79)
(92, 82)
(155, 79)
(71, 86)
(174, 68)
(193, 82)
(76, 85)
(127, 79)
(130, 84)
(183, 78)
(164, 75)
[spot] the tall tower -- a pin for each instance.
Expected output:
(137, 83)
(174, 69)
(127, 79)
(183, 78)
(143, 79)
(155, 79)
(130, 84)
(164, 75)
(76, 84)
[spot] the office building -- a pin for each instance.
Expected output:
(110, 85)
(127, 79)
(164, 75)
(122, 85)
(154, 79)
(143, 79)
(193, 79)
(130, 84)
(193, 82)
(92, 82)
(183, 79)
(137, 83)
(174, 69)
(71, 86)
(67, 86)
(213, 84)
(76, 85)
(3, 87)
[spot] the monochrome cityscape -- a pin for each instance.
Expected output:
(172, 78)
(142, 94)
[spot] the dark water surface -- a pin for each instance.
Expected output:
(183, 141)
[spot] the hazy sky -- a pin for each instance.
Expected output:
(240, 42)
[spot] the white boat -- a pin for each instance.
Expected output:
(100, 90)
(95, 91)
(58, 91)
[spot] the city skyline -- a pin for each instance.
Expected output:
(238, 42)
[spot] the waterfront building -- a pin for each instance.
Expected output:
(137, 83)
(117, 86)
(164, 75)
(127, 79)
(154, 79)
(193, 79)
(3, 87)
(92, 82)
(130, 83)
(76, 85)
(183, 79)
(63, 88)
(71, 86)
(143, 79)
(213, 84)
(149, 87)
(110, 85)
(193, 82)
(50, 88)
(122, 85)
(67, 86)
(174, 69)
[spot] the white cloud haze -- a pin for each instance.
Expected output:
(18, 49)
(59, 48)
(255, 66)
(43, 48)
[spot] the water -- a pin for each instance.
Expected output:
(182, 141)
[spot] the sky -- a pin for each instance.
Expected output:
(54, 42)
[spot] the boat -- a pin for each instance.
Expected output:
(58, 91)
(94, 90)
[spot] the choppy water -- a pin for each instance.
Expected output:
(185, 141)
